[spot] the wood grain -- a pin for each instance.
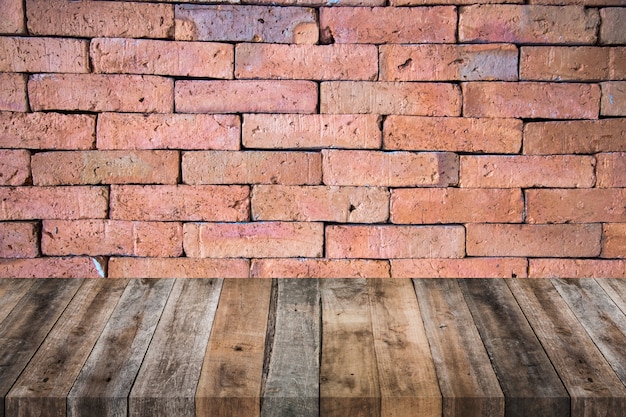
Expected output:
(11, 292)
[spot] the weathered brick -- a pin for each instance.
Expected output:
(65, 267)
(611, 170)
(12, 12)
(105, 167)
(180, 202)
(576, 268)
(388, 24)
(14, 167)
(459, 268)
(311, 131)
(528, 24)
(531, 100)
(614, 240)
(319, 203)
(253, 240)
(18, 240)
(144, 56)
(612, 27)
(592, 205)
(454, 134)
(419, 99)
(439, 2)
(306, 62)
(91, 19)
(575, 137)
(236, 23)
(454, 205)
(440, 62)
(252, 167)
(29, 203)
(246, 96)
(47, 131)
(168, 131)
(617, 63)
(613, 98)
(389, 169)
(587, 3)
(178, 268)
(111, 237)
(19, 54)
(564, 63)
(388, 242)
(319, 268)
(13, 92)
(545, 240)
(526, 171)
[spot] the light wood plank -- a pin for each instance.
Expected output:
(616, 289)
(292, 385)
(103, 385)
(230, 381)
(167, 381)
(529, 382)
(349, 383)
(467, 380)
(11, 292)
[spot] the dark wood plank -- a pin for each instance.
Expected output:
(467, 380)
(11, 292)
(349, 383)
(528, 380)
(43, 386)
(104, 383)
(292, 384)
(231, 377)
(167, 381)
(27, 325)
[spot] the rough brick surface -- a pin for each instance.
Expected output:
(389, 169)
(576, 268)
(614, 240)
(319, 268)
(617, 63)
(578, 137)
(13, 92)
(47, 131)
(14, 167)
(12, 12)
(611, 170)
(19, 54)
(177, 268)
(613, 98)
(62, 267)
(576, 206)
(459, 268)
(18, 240)
(562, 63)
(612, 27)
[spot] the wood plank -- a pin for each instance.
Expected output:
(292, 385)
(230, 381)
(349, 383)
(27, 325)
(590, 381)
(104, 383)
(167, 381)
(43, 386)
(406, 371)
(616, 289)
(529, 382)
(467, 380)
(11, 292)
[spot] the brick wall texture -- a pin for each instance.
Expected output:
(304, 138)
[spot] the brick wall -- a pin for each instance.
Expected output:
(419, 138)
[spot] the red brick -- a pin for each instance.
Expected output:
(180, 202)
(528, 24)
(237, 23)
(454, 134)
(14, 167)
(68, 267)
(576, 268)
(12, 12)
(440, 62)
(459, 268)
(578, 137)
(100, 92)
(168, 131)
(612, 27)
(564, 63)
(614, 240)
(526, 171)
(611, 170)
(18, 54)
(18, 240)
(531, 100)
(252, 167)
(306, 62)
(332, 204)
(388, 24)
(28, 203)
(144, 56)
(243, 96)
(419, 99)
(253, 240)
(111, 237)
(105, 167)
(311, 131)
(389, 169)
(47, 131)
(617, 63)
(90, 19)
(439, 2)
(545, 240)
(587, 3)
(319, 268)
(613, 98)
(178, 268)
(13, 92)
(454, 205)
(383, 242)
(576, 206)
